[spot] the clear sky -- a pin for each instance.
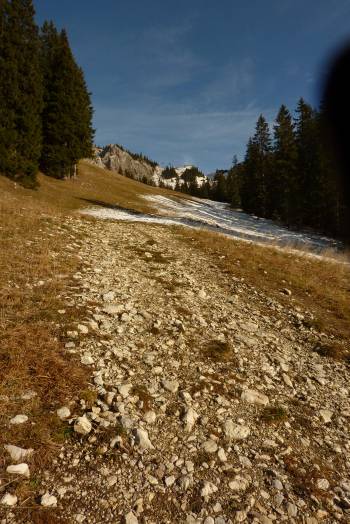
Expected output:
(183, 81)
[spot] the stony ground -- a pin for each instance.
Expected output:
(208, 403)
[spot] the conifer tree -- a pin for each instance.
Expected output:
(283, 187)
(308, 165)
(233, 183)
(257, 170)
(205, 189)
(219, 191)
(177, 184)
(20, 91)
(8, 76)
(249, 175)
(67, 115)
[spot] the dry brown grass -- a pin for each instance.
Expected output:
(218, 351)
(274, 414)
(319, 286)
(32, 356)
(93, 186)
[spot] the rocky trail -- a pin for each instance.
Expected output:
(208, 402)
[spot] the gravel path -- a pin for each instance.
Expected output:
(211, 405)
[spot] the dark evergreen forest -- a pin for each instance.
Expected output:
(45, 107)
(289, 175)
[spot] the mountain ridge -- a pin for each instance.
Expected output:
(115, 157)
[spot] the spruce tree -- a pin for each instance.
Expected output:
(219, 191)
(257, 170)
(20, 92)
(8, 81)
(283, 187)
(307, 184)
(67, 115)
(233, 183)
(248, 195)
(177, 184)
(204, 190)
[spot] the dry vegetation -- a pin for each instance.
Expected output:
(319, 286)
(35, 270)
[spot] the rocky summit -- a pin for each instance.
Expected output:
(207, 403)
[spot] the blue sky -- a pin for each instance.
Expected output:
(184, 81)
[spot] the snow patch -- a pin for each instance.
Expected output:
(217, 216)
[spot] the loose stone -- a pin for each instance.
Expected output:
(48, 501)
(19, 469)
(9, 500)
(254, 397)
(83, 426)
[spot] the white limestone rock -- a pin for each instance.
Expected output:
(142, 440)
(87, 360)
(170, 481)
(150, 417)
(254, 397)
(208, 489)
(63, 413)
(189, 419)
(322, 484)
(124, 389)
(170, 385)
(19, 419)
(222, 455)
(19, 469)
(84, 330)
(239, 483)
(234, 431)
(83, 425)
(109, 297)
(210, 446)
(326, 415)
(130, 518)
(9, 500)
(48, 501)
(17, 454)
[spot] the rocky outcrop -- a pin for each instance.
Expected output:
(115, 158)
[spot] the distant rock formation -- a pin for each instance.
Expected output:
(115, 158)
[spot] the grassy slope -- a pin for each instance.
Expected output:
(92, 184)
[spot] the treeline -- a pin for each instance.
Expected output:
(45, 107)
(192, 182)
(290, 176)
(293, 177)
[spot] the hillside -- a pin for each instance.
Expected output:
(204, 379)
(92, 185)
